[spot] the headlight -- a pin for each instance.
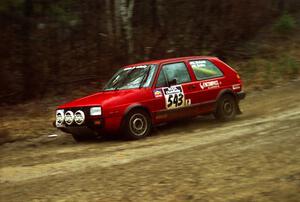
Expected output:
(59, 117)
(95, 111)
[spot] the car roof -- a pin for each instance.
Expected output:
(170, 60)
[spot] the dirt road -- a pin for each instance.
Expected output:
(254, 158)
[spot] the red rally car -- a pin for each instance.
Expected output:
(142, 95)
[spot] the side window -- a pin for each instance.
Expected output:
(205, 69)
(177, 71)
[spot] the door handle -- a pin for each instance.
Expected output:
(192, 87)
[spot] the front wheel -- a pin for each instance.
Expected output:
(226, 108)
(136, 125)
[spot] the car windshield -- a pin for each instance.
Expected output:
(132, 77)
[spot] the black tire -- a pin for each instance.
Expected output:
(83, 137)
(136, 125)
(226, 108)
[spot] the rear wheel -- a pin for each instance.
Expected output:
(136, 125)
(226, 108)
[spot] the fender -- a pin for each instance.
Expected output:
(130, 107)
(136, 105)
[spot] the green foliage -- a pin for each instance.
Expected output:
(61, 12)
(285, 24)
(11, 7)
(7, 4)
(289, 66)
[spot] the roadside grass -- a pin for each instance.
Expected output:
(276, 60)
(35, 118)
(25, 121)
(260, 73)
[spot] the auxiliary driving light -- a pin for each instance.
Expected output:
(69, 117)
(79, 117)
(59, 117)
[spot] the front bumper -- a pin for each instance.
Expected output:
(91, 127)
(80, 130)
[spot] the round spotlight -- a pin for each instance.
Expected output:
(59, 117)
(79, 117)
(69, 117)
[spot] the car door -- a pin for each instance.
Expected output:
(210, 79)
(174, 92)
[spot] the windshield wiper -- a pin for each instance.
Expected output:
(145, 77)
(125, 79)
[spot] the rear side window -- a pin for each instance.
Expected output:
(205, 69)
(176, 71)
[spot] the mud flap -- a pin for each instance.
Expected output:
(238, 110)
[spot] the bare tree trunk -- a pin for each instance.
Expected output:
(164, 29)
(126, 11)
(117, 18)
(160, 11)
(27, 69)
(281, 5)
(154, 12)
(109, 22)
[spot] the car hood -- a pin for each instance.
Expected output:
(117, 97)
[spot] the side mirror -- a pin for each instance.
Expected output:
(173, 82)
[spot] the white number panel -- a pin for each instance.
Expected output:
(174, 97)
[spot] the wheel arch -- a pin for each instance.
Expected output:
(136, 106)
(226, 92)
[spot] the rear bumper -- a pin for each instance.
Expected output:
(241, 95)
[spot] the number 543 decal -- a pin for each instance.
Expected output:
(174, 97)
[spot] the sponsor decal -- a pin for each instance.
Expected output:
(157, 93)
(209, 85)
(188, 102)
(174, 97)
(136, 67)
(172, 90)
(236, 86)
(197, 64)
